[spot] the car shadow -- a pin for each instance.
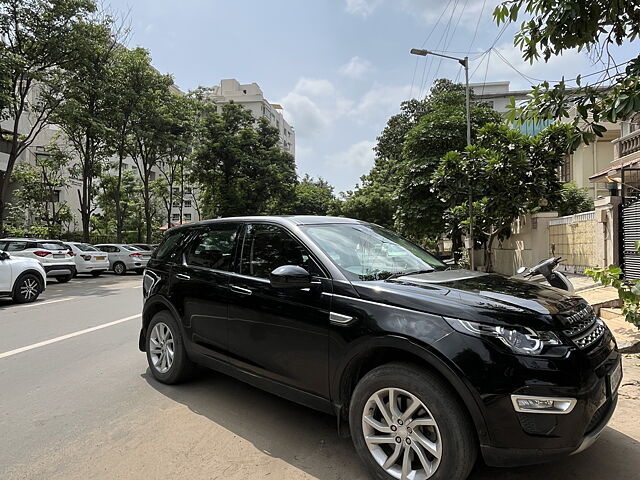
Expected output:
(308, 440)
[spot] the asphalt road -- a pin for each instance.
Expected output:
(77, 402)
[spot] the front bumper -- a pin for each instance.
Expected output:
(515, 438)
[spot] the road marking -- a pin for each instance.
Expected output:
(48, 302)
(65, 337)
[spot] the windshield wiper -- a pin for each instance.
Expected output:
(409, 272)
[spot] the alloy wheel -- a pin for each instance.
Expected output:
(29, 288)
(161, 347)
(401, 434)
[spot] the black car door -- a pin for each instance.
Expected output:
(279, 334)
(200, 285)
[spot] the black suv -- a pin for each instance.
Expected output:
(427, 365)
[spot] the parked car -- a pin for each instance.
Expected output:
(88, 258)
(52, 255)
(427, 365)
(22, 279)
(124, 257)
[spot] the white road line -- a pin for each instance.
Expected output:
(37, 304)
(65, 337)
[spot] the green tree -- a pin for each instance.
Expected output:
(312, 197)
(512, 175)
(573, 200)
(239, 166)
(40, 43)
(553, 27)
(38, 195)
(131, 205)
(442, 129)
(85, 113)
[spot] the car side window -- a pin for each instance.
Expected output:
(16, 246)
(214, 247)
(170, 246)
(267, 247)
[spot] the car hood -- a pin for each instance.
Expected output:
(476, 296)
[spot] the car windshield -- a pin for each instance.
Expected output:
(369, 252)
(85, 247)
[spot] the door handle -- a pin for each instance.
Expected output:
(182, 276)
(240, 290)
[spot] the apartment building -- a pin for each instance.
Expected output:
(250, 96)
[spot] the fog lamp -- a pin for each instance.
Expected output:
(528, 404)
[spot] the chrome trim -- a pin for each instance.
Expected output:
(339, 319)
(572, 403)
(375, 303)
(240, 290)
(182, 276)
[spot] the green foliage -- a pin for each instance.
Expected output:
(552, 27)
(573, 200)
(131, 205)
(628, 290)
(312, 197)
(238, 165)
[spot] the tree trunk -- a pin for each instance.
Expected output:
(116, 197)
(488, 253)
(147, 207)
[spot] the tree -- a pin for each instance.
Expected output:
(419, 211)
(573, 200)
(312, 197)
(41, 41)
(85, 113)
(150, 127)
(38, 195)
(554, 27)
(512, 175)
(238, 165)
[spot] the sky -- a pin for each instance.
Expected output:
(340, 68)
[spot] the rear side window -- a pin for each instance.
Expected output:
(85, 247)
(52, 246)
(214, 247)
(16, 246)
(170, 246)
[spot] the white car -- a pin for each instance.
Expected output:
(22, 279)
(88, 258)
(54, 257)
(123, 257)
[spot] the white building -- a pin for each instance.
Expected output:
(250, 96)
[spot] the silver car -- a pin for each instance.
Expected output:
(123, 257)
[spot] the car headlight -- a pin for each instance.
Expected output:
(521, 340)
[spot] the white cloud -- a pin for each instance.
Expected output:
(314, 87)
(304, 114)
(356, 68)
(364, 8)
(380, 101)
(359, 156)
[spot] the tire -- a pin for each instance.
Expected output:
(96, 274)
(445, 425)
(180, 367)
(27, 288)
(119, 268)
(64, 278)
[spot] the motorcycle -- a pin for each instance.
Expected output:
(546, 270)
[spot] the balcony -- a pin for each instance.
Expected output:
(627, 145)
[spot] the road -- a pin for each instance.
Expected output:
(79, 403)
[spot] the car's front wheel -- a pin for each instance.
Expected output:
(119, 268)
(166, 355)
(406, 423)
(26, 289)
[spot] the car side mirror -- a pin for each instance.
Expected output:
(291, 277)
(4, 256)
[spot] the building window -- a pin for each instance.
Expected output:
(175, 217)
(54, 196)
(152, 176)
(565, 170)
(176, 190)
(176, 203)
(187, 217)
(187, 203)
(187, 190)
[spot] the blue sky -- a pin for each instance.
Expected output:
(340, 68)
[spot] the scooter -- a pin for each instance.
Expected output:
(546, 269)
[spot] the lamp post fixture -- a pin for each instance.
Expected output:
(465, 63)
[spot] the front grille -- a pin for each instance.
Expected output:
(585, 328)
(537, 424)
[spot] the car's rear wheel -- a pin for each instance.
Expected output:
(96, 274)
(166, 355)
(26, 289)
(119, 268)
(64, 278)
(406, 423)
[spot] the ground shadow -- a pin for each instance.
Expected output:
(308, 440)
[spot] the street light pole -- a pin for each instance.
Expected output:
(465, 63)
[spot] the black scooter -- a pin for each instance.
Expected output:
(546, 270)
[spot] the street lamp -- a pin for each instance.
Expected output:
(465, 63)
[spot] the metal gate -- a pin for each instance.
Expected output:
(630, 234)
